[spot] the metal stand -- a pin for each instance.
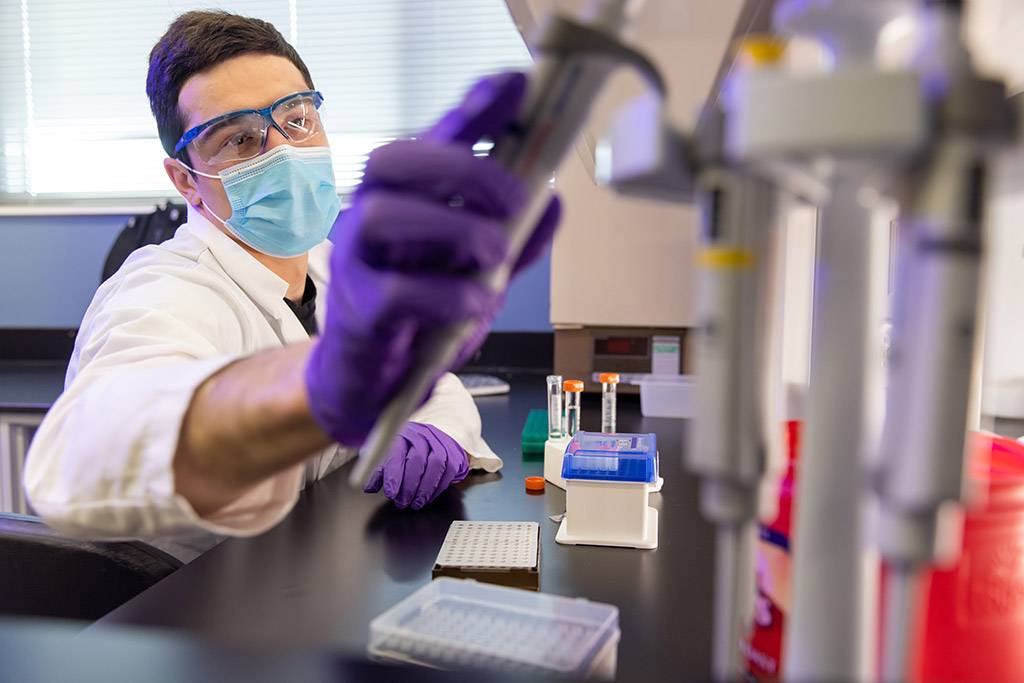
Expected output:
(828, 547)
(934, 127)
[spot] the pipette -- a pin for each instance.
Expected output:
(575, 60)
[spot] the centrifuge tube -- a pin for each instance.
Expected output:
(609, 380)
(555, 407)
(573, 389)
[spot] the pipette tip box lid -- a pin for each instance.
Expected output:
(505, 553)
(612, 457)
(453, 623)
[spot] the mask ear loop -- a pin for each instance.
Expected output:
(205, 175)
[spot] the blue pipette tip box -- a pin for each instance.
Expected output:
(627, 458)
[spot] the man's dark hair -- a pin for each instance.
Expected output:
(195, 42)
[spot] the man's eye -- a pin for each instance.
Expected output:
(238, 140)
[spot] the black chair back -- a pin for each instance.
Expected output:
(148, 228)
(45, 574)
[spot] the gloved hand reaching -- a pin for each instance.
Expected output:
(426, 221)
(424, 461)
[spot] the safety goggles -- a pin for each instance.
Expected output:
(242, 135)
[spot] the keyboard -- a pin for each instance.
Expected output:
(484, 385)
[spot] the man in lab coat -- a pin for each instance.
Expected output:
(216, 374)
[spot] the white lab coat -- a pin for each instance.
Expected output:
(100, 464)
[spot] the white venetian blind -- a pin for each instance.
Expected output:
(75, 121)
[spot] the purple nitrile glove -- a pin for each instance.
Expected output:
(458, 126)
(424, 461)
(426, 222)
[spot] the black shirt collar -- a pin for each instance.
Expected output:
(306, 310)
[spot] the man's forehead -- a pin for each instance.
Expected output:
(251, 81)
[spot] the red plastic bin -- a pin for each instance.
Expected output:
(970, 625)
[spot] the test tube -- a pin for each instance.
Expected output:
(573, 389)
(609, 380)
(554, 406)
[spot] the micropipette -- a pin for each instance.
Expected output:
(575, 61)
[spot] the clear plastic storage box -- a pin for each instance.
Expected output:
(668, 396)
(461, 623)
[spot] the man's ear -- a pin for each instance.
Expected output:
(183, 181)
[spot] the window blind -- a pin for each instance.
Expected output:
(74, 118)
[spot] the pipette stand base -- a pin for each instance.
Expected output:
(648, 542)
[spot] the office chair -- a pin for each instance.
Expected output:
(147, 228)
(44, 574)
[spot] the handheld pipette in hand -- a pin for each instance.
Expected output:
(575, 59)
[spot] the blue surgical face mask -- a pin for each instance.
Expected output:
(283, 202)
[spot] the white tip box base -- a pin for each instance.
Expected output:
(608, 513)
(554, 451)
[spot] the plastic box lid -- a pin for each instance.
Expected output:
(628, 458)
(636, 444)
(461, 623)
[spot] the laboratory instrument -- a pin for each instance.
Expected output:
(454, 623)
(608, 481)
(504, 553)
(586, 351)
(573, 390)
(575, 60)
(842, 136)
(738, 214)
(343, 375)
(609, 382)
(555, 414)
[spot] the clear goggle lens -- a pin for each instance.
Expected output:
(244, 136)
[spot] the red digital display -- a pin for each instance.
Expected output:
(620, 346)
(617, 346)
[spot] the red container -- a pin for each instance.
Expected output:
(762, 646)
(970, 626)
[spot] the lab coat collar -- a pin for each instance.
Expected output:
(265, 288)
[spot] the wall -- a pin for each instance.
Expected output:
(1004, 361)
(528, 301)
(624, 261)
(50, 268)
(995, 30)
